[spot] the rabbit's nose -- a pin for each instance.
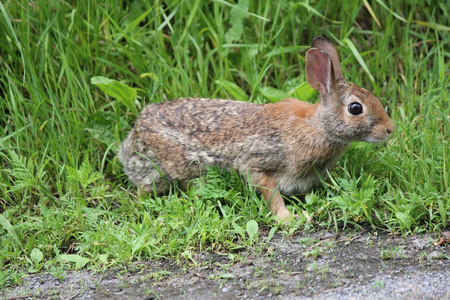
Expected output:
(390, 127)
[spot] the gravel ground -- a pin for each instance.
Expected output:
(321, 265)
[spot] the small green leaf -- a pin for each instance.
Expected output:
(273, 94)
(118, 90)
(36, 255)
(271, 233)
(404, 219)
(238, 14)
(103, 258)
(303, 92)
(252, 229)
(79, 261)
(114, 88)
(9, 228)
(239, 229)
(309, 198)
(232, 88)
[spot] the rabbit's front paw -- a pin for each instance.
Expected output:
(285, 216)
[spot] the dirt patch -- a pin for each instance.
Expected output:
(321, 265)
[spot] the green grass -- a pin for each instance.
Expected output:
(65, 203)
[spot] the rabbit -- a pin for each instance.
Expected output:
(284, 147)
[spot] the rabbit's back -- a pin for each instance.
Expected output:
(178, 138)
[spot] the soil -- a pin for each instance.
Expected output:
(321, 265)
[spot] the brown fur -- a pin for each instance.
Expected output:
(281, 145)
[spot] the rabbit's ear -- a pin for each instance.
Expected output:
(319, 70)
(326, 46)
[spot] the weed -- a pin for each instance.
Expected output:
(152, 294)
(391, 252)
(313, 253)
(308, 241)
(57, 272)
(379, 283)
(312, 267)
(156, 276)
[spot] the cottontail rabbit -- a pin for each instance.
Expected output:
(281, 145)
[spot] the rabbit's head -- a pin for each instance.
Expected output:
(346, 112)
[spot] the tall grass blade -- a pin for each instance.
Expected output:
(14, 37)
(369, 9)
(432, 25)
(239, 8)
(391, 11)
(358, 57)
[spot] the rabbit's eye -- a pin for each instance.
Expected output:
(355, 108)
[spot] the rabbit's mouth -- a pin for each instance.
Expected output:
(377, 138)
(381, 132)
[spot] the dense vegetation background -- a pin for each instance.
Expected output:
(64, 199)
